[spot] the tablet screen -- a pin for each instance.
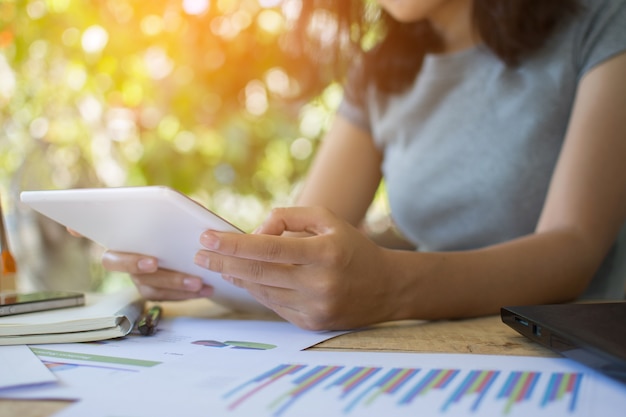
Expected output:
(150, 220)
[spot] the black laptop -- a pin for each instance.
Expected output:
(593, 334)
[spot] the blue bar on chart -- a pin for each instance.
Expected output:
(561, 384)
(477, 384)
(261, 382)
(289, 389)
(389, 384)
(435, 379)
(518, 387)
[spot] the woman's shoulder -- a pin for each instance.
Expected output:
(597, 33)
(602, 12)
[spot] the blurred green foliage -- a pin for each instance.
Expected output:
(206, 96)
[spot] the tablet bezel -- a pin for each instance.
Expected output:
(150, 220)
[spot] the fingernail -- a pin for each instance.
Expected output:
(206, 291)
(210, 240)
(146, 264)
(192, 284)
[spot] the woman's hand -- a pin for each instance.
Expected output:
(334, 278)
(153, 282)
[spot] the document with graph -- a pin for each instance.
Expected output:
(368, 384)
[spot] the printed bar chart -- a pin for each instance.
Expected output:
(517, 388)
(292, 389)
(561, 384)
(477, 384)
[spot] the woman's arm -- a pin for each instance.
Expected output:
(582, 215)
(339, 279)
(343, 178)
(345, 173)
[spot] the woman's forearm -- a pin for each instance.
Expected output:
(540, 268)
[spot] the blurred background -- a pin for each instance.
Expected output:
(194, 94)
(210, 97)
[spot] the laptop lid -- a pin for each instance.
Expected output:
(593, 334)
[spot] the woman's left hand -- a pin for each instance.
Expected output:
(334, 278)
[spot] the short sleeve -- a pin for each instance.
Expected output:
(351, 108)
(602, 34)
(354, 114)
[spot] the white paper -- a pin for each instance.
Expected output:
(83, 368)
(361, 384)
(19, 367)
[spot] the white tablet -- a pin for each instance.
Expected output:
(152, 220)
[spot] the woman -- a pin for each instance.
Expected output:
(499, 128)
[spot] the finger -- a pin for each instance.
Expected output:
(73, 232)
(129, 262)
(272, 274)
(160, 294)
(289, 305)
(311, 220)
(169, 280)
(278, 249)
(272, 297)
(269, 245)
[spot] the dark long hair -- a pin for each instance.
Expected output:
(511, 29)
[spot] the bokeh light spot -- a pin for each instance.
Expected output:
(256, 98)
(195, 7)
(269, 3)
(312, 121)
(58, 6)
(36, 9)
(159, 65)
(277, 81)
(270, 21)
(152, 25)
(39, 127)
(76, 77)
(8, 82)
(185, 141)
(301, 148)
(94, 39)
(168, 127)
(70, 36)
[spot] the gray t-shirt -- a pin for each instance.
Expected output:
(470, 148)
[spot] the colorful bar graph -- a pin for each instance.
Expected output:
(353, 379)
(435, 379)
(304, 384)
(561, 384)
(389, 384)
(288, 388)
(518, 388)
(476, 383)
(261, 382)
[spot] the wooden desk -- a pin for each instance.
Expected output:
(486, 335)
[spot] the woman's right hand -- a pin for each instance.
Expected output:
(153, 282)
